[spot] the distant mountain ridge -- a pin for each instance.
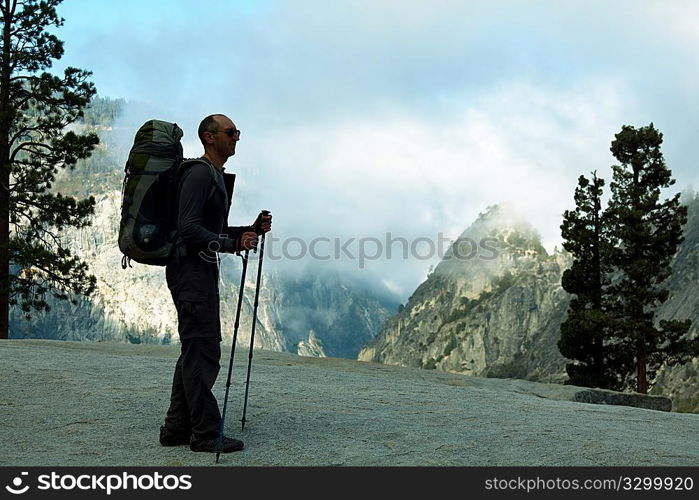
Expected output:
(462, 318)
(134, 305)
(501, 317)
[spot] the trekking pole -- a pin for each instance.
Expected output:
(254, 321)
(219, 443)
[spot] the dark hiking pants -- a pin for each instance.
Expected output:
(193, 407)
(193, 283)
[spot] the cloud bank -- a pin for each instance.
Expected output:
(362, 118)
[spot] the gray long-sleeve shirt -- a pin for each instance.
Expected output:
(203, 210)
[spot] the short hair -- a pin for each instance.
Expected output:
(208, 124)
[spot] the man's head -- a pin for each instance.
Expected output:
(219, 135)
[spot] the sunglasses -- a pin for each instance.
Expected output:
(230, 132)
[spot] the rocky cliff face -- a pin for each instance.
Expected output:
(329, 314)
(499, 313)
(489, 312)
(321, 309)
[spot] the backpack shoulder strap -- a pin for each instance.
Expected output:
(185, 164)
(181, 169)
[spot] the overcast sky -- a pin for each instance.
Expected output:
(364, 117)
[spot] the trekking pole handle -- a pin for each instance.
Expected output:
(256, 226)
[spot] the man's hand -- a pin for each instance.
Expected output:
(248, 240)
(263, 223)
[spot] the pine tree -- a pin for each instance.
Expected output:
(583, 333)
(646, 234)
(36, 109)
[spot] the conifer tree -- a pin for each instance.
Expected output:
(583, 333)
(646, 233)
(36, 110)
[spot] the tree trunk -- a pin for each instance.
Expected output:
(598, 342)
(5, 119)
(637, 310)
(641, 380)
(4, 252)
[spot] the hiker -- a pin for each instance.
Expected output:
(192, 277)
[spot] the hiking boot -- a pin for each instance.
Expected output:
(227, 446)
(173, 438)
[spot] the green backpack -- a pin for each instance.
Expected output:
(147, 230)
